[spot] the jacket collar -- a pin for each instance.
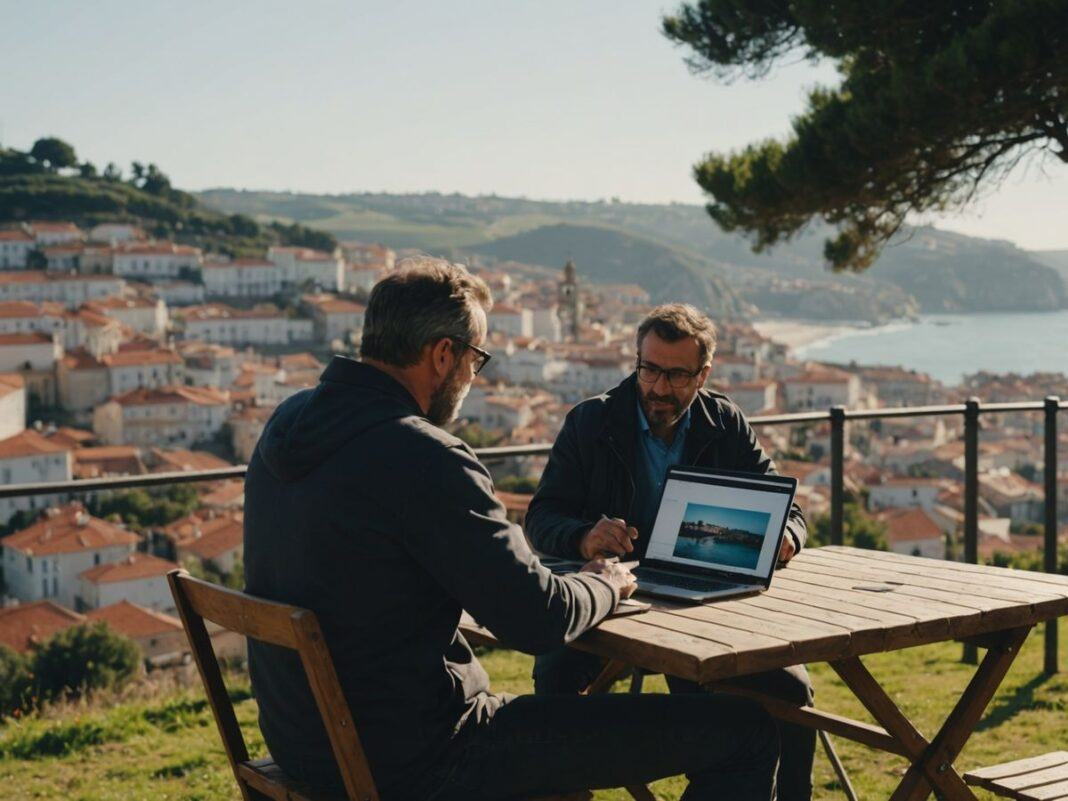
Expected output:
(621, 422)
(343, 370)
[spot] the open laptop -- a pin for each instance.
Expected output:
(717, 534)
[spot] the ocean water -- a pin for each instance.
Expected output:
(949, 346)
(723, 553)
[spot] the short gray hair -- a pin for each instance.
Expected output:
(675, 321)
(424, 300)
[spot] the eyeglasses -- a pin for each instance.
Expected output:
(677, 377)
(483, 356)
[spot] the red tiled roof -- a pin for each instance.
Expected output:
(205, 396)
(133, 567)
(30, 338)
(29, 443)
(26, 625)
(68, 530)
(156, 249)
(14, 235)
(181, 459)
(907, 525)
(134, 621)
(11, 382)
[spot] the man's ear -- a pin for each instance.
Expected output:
(705, 372)
(441, 355)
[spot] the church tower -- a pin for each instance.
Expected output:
(569, 303)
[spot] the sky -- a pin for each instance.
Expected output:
(745, 519)
(548, 100)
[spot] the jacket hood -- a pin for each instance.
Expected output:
(309, 427)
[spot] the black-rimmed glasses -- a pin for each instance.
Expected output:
(677, 376)
(483, 355)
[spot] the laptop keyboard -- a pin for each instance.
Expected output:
(654, 576)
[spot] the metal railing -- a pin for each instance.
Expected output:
(837, 416)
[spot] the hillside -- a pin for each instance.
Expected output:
(931, 271)
(30, 190)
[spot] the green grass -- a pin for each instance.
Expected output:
(135, 748)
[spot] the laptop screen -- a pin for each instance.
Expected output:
(716, 520)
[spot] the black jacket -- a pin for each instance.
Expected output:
(361, 510)
(591, 469)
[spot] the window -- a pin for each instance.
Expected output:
(44, 587)
(44, 566)
(29, 564)
(96, 559)
(55, 586)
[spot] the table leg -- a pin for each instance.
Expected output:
(932, 762)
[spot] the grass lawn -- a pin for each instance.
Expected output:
(167, 747)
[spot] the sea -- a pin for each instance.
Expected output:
(949, 346)
(721, 553)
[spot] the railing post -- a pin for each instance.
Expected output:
(837, 473)
(971, 499)
(1049, 546)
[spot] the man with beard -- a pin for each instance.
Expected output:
(361, 508)
(599, 492)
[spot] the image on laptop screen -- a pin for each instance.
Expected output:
(724, 522)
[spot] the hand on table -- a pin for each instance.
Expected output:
(610, 537)
(618, 575)
(787, 551)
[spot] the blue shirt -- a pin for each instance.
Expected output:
(653, 458)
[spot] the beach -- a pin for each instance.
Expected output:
(797, 334)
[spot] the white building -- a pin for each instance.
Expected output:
(513, 321)
(145, 315)
(12, 405)
(242, 278)
(139, 578)
(545, 322)
(306, 267)
(216, 542)
(31, 351)
(43, 561)
(179, 293)
(371, 254)
(734, 369)
(86, 381)
(905, 492)
(55, 233)
(116, 233)
(362, 277)
(246, 428)
(157, 261)
(754, 397)
(15, 248)
(22, 316)
(208, 365)
(221, 324)
(915, 532)
(821, 389)
(70, 290)
(584, 378)
(531, 364)
(334, 318)
(166, 416)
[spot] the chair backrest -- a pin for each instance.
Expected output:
(281, 625)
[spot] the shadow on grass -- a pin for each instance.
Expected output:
(1022, 699)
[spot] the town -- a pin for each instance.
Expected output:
(123, 355)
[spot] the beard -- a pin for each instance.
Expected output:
(664, 415)
(446, 399)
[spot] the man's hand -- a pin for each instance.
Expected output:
(787, 551)
(610, 537)
(619, 576)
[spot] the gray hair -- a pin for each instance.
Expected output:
(423, 301)
(675, 321)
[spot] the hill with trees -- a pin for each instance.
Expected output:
(49, 183)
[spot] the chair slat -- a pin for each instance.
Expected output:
(260, 619)
(1041, 778)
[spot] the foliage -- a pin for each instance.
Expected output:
(209, 571)
(15, 680)
(31, 188)
(937, 102)
(859, 529)
(478, 437)
(54, 153)
(522, 484)
(83, 658)
(138, 508)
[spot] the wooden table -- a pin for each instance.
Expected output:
(822, 609)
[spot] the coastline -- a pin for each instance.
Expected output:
(802, 334)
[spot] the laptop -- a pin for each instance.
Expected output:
(717, 534)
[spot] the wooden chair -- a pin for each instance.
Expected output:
(288, 627)
(1041, 778)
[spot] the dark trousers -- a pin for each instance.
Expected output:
(570, 671)
(728, 747)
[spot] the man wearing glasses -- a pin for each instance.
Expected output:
(599, 492)
(360, 507)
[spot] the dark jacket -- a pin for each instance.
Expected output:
(361, 510)
(592, 466)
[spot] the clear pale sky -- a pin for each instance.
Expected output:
(550, 99)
